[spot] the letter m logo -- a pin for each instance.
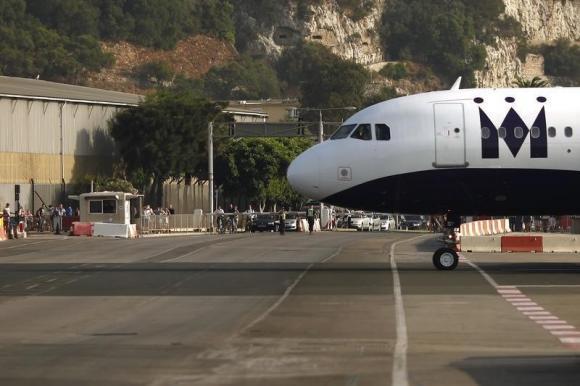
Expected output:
(514, 132)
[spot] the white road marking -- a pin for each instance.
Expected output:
(537, 313)
(22, 245)
(565, 333)
(553, 322)
(559, 327)
(32, 286)
(549, 286)
(570, 340)
(289, 289)
(551, 317)
(530, 308)
(400, 374)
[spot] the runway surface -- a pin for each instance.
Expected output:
(328, 309)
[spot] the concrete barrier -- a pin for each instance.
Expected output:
(522, 244)
(561, 243)
(3, 235)
(480, 243)
(124, 231)
(81, 229)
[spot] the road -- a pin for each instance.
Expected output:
(328, 309)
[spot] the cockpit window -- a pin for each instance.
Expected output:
(343, 132)
(382, 132)
(363, 132)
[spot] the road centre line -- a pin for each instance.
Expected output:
(565, 332)
(400, 373)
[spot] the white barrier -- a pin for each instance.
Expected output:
(124, 231)
(304, 225)
(485, 227)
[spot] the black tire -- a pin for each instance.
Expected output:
(445, 259)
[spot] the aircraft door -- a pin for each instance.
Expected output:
(449, 135)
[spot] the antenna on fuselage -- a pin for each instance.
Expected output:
(456, 85)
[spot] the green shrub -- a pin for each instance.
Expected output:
(562, 59)
(395, 71)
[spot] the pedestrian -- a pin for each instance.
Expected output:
(282, 225)
(69, 211)
(40, 216)
(6, 219)
(235, 219)
(171, 210)
(310, 218)
(57, 215)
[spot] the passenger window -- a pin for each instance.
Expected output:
(536, 132)
(502, 132)
(485, 132)
(343, 132)
(551, 132)
(568, 131)
(382, 132)
(519, 132)
(363, 132)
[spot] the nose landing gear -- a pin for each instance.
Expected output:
(445, 259)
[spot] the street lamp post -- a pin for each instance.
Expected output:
(210, 172)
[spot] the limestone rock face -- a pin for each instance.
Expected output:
(328, 25)
(543, 21)
(355, 40)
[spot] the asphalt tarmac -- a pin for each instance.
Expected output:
(329, 309)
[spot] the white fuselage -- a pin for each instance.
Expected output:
(438, 135)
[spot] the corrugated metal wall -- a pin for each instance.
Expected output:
(30, 140)
(186, 198)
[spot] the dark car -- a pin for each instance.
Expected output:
(265, 222)
(412, 222)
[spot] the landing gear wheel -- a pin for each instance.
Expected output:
(445, 259)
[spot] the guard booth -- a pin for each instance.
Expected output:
(110, 213)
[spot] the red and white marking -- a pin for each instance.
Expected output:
(565, 332)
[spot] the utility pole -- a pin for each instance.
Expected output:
(320, 127)
(210, 171)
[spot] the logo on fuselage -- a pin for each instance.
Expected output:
(514, 132)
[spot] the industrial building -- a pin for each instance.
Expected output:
(52, 136)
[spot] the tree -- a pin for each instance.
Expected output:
(324, 79)
(164, 137)
(535, 82)
(245, 78)
(562, 59)
(255, 169)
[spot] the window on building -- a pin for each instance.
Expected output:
(102, 206)
(382, 132)
(95, 206)
(363, 132)
(109, 206)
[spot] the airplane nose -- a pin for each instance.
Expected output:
(304, 174)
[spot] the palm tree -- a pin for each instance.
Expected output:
(535, 82)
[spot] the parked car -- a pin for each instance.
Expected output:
(412, 222)
(360, 222)
(386, 222)
(265, 222)
(291, 222)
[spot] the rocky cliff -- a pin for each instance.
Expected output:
(543, 22)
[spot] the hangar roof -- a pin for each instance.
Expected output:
(40, 89)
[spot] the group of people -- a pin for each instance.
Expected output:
(47, 218)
